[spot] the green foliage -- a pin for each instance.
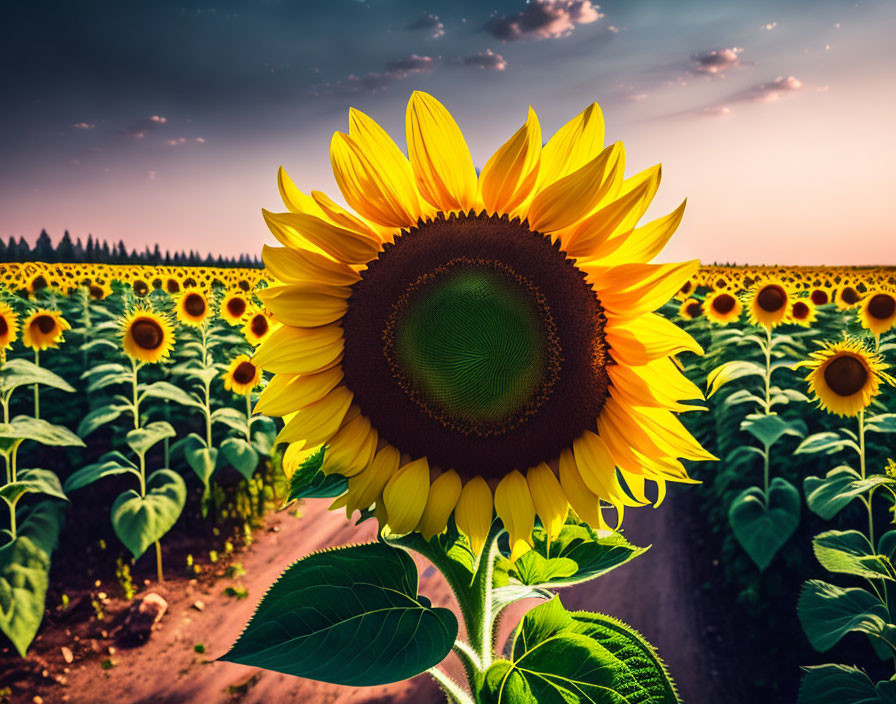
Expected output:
(309, 482)
(762, 524)
(828, 496)
(139, 521)
(828, 612)
(842, 684)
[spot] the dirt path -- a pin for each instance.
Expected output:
(656, 594)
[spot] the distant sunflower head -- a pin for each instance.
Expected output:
(844, 376)
(878, 311)
(38, 282)
(43, 329)
(769, 303)
(722, 307)
(192, 307)
(257, 326)
(172, 284)
(686, 289)
(98, 291)
(848, 296)
(820, 295)
(147, 336)
(802, 312)
(9, 326)
(467, 344)
(234, 306)
(242, 375)
(691, 308)
(141, 286)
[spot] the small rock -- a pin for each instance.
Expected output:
(37, 699)
(199, 605)
(274, 529)
(104, 633)
(67, 655)
(111, 650)
(143, 615)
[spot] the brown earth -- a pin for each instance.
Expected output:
(659, 594)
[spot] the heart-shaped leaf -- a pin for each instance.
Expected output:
(828, 612)
(39, 430)
(202, 461)
(20, 371)
(142, 439)
(230, 417)
(763, 526)
(881, 423)
(850, 552)
(840, 486)
(139, 521)
(824, 442)
(842, 684)
(94, 472)
(349, 616)
(169, 392)
(33, 481)
(309, 482)
(98, 417)
(241, 455)
(769, 428)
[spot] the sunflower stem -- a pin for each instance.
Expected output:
(455, 694)
(37, 387)
(159, 561)
(862, 471)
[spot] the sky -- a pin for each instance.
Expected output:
(166, 121)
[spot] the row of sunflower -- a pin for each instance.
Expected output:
(763, 330)
(150, 350)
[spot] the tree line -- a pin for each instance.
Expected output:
(96, 251)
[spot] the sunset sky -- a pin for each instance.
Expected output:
(166, 121)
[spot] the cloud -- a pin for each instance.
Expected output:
(183, 140)
(402, 68)
(428, 23)
(376, 81)
(719, 111)
(716, 61)
(770, 92)
(139, 129)
(151, 175)
(84, 126)
(769, 27)
(486, 60)
(543, 19)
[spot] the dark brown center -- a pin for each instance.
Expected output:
(194, 304)
(96, 292)
(819, 297)
(771, 298)
(850, 295)
(259, 325)
(4, 326)
(686, 288)
(244, 373)
(244, 285)
(800, 310)
(845, 375)
(236, 306)
(172, 285)
(39, 283)
(723, 303)
(882, 306)
(147, 333)
(189, 281)
(45, 323)
(141, 288)
(694, 310)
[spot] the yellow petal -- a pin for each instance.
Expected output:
(367, 487)
(338, 215)
(551, 503)
(646, 338)
(294, 455)
(307, 305)
(293, 266)
(629, 290)
(442, 165)
(667, 431)
(443, 496)
(597, 466)
(514, 506)
(405, 496)
(474, 513)
(297, 229)
(367, 188)
(644, 243)
(572, 197)
(573, 145)
(510, 175)
(286, 393)
(658, 384)
(351, 450)
(583, 501)
(300, 350)
(294, 200)
(317, 423)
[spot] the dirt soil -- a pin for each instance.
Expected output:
(662, 594)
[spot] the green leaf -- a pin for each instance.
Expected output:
(827, 613)
(169, 392)
(850, 552)
(139, 521)
(20, 371)
(94, 472)
(309, 482)
(824, 442)
(24, 574)
(886, 544)
(842, 684)
(230, 417)
(142, 439)
(28, 428)
(349, 616)
(729, 371)
(32, 481)
(241, 455)
(99, 417)
(881, 423)
(202, 459)
(768, 429)
(533, 569)
(571, 658)
(742, 396)
(840, 486)
(762, 528)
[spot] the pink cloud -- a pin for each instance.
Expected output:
(772, 91)
(769, 27)
(402, 68)
(377, 81)
(717, 61)
(428, 23)
(543, 19)
(139, 129)
(84, 126)
(486, 60)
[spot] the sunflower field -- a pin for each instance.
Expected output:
(486, 367)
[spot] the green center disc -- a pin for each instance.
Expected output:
(471, 343)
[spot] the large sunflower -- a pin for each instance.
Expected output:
(192, 307)
(257, 326)
(9, 326)
(234, 306)
(802, 312)
(242, 375)
(845, 376)
(878, 311)
(147, 336)
(769, 303)
(43, 329)
(722, 307)
(479, 329)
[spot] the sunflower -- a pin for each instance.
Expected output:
(769, 303)
(37, 282)
(43, 329)
(172, 284)
(820, 295)
(234, 306)
(257, 326)
(192, 307)
(802, 312)
(690, 309)
(140, 286)
(847, 297)
(722, 307)
(845, 376)
(9, 326)
(685, 290)
(500, 349)
(878, 311)
(242, 375)
(146, 335)
(98, 291)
